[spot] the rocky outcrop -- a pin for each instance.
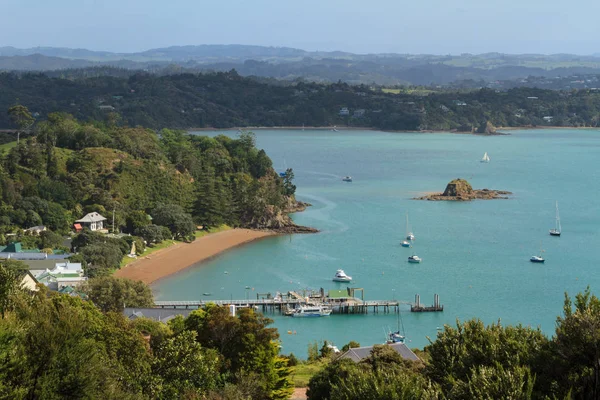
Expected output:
(273, 219)
(461, 190)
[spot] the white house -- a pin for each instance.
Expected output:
(344, 111)
(29, 282)
(93, 221)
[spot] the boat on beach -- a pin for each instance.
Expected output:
(557, 228)
(340, 276)
(311, 311)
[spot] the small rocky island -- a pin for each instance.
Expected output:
(461, 190)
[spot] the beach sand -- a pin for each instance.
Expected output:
(180, 256)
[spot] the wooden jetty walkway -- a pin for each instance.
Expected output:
(291, 300)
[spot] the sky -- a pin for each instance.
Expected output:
(359, 26)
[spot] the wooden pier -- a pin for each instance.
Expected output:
(282, 303)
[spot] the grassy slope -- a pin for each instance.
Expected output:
(302, 373)
(7, 146)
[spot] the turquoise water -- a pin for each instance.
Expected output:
(475, 254)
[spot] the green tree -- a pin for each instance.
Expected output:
(109, 293)
(185, 368)
(288, 185)
(10, 284)
(350, 345)
(22, 118)
(175, 218)
(577, 347)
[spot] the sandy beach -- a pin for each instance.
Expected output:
(180, 256)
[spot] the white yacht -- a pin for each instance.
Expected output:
(557, 228)
(414, 259)
(538, 259)
(311, 311)
(347, 179)
(405, 243)
(340, 276)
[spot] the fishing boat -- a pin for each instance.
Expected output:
(415, 259)
(347, 179)
(538, 259)
(409, 234)
(340, 276)
(486, 158)
(311, 311)
(557, 228)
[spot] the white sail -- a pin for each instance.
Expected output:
(485, 158)
(558, 227)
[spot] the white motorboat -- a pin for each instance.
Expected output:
(347, 179)
(414, 259)
(405, 243)
(340, 276)
(311, 311)
(557, 228)
(486, 158)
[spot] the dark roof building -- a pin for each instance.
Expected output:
(360, 353)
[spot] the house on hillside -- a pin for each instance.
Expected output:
(360, 353)
(344, 112)
(93, 221)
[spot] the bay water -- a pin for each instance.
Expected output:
(475, 254)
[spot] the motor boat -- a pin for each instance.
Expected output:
(347, 179)
(311, 311)
(340, 276)
(414, 259)
(405, 243)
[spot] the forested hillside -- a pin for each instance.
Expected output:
(157, 186)
(224, 100)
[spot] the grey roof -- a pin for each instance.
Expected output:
(360, 353)
(92, 217)
(157, 314)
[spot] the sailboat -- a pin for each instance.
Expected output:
(557, 228)
(409, 234)
(486, 158)
(538, 259)
(398, 336)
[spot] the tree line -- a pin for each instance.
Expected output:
(225, 99)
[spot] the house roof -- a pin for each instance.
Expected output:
(92, 217)
(360, 353)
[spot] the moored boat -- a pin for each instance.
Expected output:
(340, 276)
(405, 243)
(538, 259)
(311, 311)
(347, 179)
(414, 259)
(557, 228)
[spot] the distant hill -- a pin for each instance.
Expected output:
(290, 64)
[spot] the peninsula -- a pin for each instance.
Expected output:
(461, 190)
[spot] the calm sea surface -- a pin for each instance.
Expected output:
(475, 254)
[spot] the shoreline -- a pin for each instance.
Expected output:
(171, 260)
(501, 130)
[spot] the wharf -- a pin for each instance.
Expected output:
(283, 303)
